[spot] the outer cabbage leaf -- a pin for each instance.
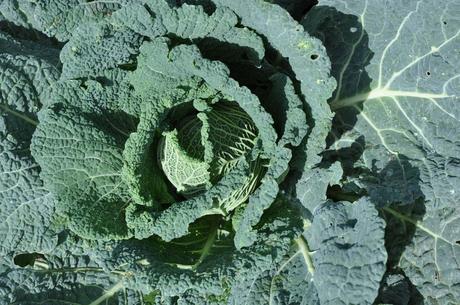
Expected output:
(133, 271)
(307, 58)
(87, 51)
(225, 270)
(192, 22)
(26, 207)
(340, 259)
(55, 18)
(81, 157)
(68, 274)
(312, 186)
(349, 255)
(96, 47)
(434, 250)
(26, 73)
(398, 89)
(289, 281)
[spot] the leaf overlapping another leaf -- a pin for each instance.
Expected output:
(219, 152)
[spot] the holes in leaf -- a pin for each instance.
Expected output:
(458, 242)
(428, 73)
(351, 223)
(296, 131)
(344, 246)
(26, 259)
(314, 56)
(131, 66)
(444, 22)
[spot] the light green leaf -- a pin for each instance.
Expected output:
(61, 142)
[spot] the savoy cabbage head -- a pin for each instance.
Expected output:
(229, 152)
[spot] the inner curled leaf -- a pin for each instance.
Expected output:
(206, 146)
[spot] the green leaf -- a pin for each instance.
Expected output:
(81, 160)
(173, 69)
(55, 18)
(398, 90)
(95, 47)
(311, 188)
(307, 58)
(349, 258)
(26, 206)
(68, 274)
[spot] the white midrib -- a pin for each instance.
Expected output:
(381, 93)
(307, 256)
(418, 225)
(350, 56)
(108, 294)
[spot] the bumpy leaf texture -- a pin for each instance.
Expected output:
(221, 152)
(397, 102)
(26, 206)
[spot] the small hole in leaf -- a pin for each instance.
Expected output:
(458, 242)
(25, 259)
(351, 223)
(314, 56)
(445, 22)
(428, 73)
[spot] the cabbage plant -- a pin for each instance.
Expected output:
(229, 152)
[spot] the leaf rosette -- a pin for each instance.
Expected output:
(171, 133)
(185, 112)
